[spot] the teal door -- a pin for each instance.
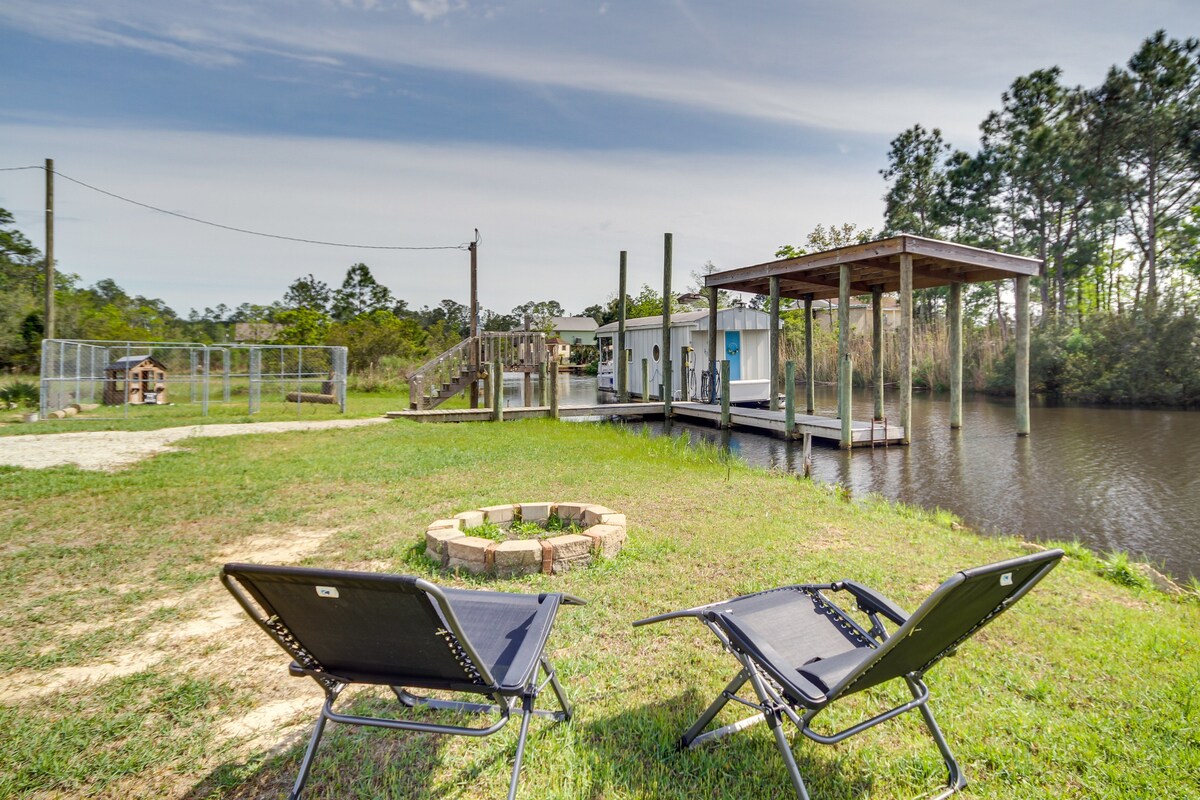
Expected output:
(733, 352)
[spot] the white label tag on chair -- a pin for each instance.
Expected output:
(326, 591)
(1005, 580)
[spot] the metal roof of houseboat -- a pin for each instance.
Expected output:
(935, 263)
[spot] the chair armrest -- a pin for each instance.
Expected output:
(872, 602)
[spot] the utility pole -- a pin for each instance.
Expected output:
(48, 321)
(474, 248)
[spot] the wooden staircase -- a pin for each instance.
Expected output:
(453, 372)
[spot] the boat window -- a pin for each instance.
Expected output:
(656, 353)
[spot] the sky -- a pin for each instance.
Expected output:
(565, 132)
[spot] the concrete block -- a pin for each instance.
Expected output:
(468, 553)
(456, 524)
(571, 512)
(522, 557)
(607, 540)
(571, 551)
(436, 540)
(498, 515)
(593, 513)
(470, 519)
(535, 512)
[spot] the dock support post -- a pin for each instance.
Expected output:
(877, 348)
(906, 340)
(844, 376)
(1021, 382)
(789, 399)
(773, 343)
(527, 394)
(683, 384)
(954, 312)
(554, 390)
(712, 345)
(810, 389)
(725, 423)
(487, 386)
(543, 389)
(645, 380)
(846, 400)
(497, 391)
(666, 332)
(807, 455)
(622, 366)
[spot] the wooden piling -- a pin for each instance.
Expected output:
(877, 348)
(497, 391)
(554, 390)
(810, 389)
(807, 457)
(1021, 382)
(645, 380)
(543, 389)
(906, 342)
(789, 399)
(773, 343)
(683, 384)
(527, 394)
(725, 418)
(619, 357)
(845, 402)
(666, 392)
(843, 339)
(954, 314)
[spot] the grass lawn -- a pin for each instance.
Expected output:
(145, 418)
(129, 672)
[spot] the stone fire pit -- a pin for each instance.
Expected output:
(601, 533)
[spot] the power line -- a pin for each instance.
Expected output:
(236, 229)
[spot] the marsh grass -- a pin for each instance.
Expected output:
(1086, 689)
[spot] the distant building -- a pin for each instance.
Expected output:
(825, 314)
(568, 332)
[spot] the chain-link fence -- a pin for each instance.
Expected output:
(123, 376)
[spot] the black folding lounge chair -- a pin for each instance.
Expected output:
(406, 633)
(800, 652)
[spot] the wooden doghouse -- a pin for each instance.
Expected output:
(135, 379)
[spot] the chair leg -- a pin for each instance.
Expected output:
(775, 722)
(526, 715)
(559, 692)
(955, 780)
(306, 764)
(710, 713)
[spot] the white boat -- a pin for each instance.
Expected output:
(743, 338)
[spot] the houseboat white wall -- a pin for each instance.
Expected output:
(743, 337)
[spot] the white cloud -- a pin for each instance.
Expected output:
(553, 222)
(429, 10)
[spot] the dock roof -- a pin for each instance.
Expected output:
(935, 263)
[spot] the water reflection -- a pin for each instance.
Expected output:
(1112, 478)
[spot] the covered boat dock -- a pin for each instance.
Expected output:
(897, 264)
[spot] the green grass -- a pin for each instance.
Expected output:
(1086, 689)
(144, 418)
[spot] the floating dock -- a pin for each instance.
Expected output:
(863, 434)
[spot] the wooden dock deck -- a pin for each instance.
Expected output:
(864, 434)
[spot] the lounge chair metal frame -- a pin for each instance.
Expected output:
(780, 694)
(505, 691)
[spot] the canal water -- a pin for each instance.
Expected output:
(1115, 479)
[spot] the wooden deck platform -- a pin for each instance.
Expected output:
(828, 429)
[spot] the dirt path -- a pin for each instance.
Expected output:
(110, 450)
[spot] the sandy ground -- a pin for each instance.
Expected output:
(110, 450)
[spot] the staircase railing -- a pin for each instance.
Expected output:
(517, 351)
(426, 382)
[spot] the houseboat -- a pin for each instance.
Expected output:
(743, 338)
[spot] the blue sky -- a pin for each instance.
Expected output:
(564, 131)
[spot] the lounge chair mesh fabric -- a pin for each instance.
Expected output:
(403, 632)
(800, 652)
